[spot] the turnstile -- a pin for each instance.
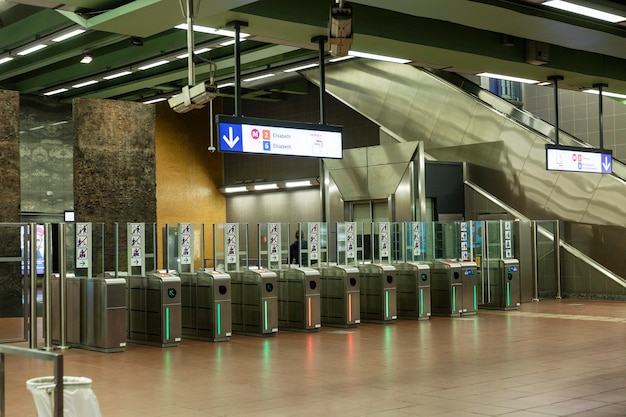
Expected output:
(413, 290)
(340, 296)
(299, 299)
(378, 293)
(254, 302)
(503, 288)
(206, 305)
(154, 308)
(96, 313)
(454, 287)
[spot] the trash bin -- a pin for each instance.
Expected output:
(79, 399)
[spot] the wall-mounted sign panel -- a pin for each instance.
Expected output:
(277, 137)
(568, 158)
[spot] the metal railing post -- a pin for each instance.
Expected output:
(32, 262)
(63, 284)
(535, 260)
(557, 258)
(47, 288)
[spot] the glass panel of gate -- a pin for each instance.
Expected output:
(230, 242)
(13, 281)
(349, 243)
(447, 242)
(546, 259)
(183, 247)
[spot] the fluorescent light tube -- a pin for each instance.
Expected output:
(85, 84)
(379, 57)
(68, 35)
(152, 65)
(584, 11)
(606, 93)
(300, 68)
(6, 59)
(260, 77)
(155, 100)
(117, 75)
(53, 92)
(507, 77)
(293, 184)
(31, 49)
(261, 187)
(340, 58)
(235, 189)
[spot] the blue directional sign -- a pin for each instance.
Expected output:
(569, 158)
(275, 137)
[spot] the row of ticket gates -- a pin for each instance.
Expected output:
(164, 307)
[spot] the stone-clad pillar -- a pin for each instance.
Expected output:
(114, 166)
(10, 194)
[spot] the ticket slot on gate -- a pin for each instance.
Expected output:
(340, 296)
(155, 309)
(206, 305)
(299, 299)
(413, 291)
(378, 293)
(254, 302)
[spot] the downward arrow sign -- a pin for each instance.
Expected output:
(606, 164)
(230, 141)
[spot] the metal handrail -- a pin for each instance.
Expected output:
(57, 360)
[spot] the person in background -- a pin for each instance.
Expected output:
(294, 250)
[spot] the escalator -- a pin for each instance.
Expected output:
(504, 149)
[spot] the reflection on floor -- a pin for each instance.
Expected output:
(551, 358)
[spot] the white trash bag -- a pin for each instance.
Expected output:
(79, 399)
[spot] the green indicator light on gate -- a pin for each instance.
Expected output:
(475, 299)
(421, 301)
(265, 314)
(386, 303)
(219, 319)
(167, 323)
(508, 293)
(453, 299)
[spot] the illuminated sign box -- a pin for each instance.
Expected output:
(277, 137)
(569, 158)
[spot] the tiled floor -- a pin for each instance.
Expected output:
(551, 358)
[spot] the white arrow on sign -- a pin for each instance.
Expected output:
(230, 141)
(606, 164)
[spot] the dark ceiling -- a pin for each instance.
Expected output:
(458, 35)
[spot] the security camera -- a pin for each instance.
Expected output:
(340, 29)
(192, 98)
(211, 149)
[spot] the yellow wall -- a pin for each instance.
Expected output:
(187, 174)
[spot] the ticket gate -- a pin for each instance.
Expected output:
(454, 288)
(254, 302)
(206, 305)
(154, 308)
(340, 296)
(96, 313)
(446, 288)
(378, 293)
(413, 290)
(503, 288)
(299, 299)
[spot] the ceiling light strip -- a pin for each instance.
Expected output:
(584, 11)
(507, 77)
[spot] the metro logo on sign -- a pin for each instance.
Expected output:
(249, 135)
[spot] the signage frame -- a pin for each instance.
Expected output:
(603, 153)
(251, 121)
